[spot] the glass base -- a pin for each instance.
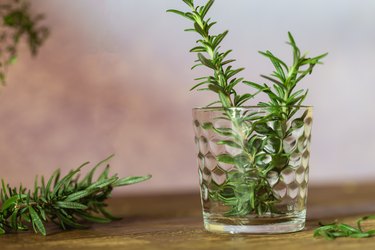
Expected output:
(254, 225)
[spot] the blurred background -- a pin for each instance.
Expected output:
(114, 76)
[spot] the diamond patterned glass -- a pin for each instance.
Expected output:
(237, 154)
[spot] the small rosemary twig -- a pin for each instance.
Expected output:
(338, 230)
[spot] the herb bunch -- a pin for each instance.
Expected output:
(67, 201)
(18, 23)
(258, 135)
(338, 230)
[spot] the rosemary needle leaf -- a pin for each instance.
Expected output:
(88, 217)
(226, 158)
(102, 183)
(10, 202)
(79, 195)
(107, 214)
(71, 205)
(206, 8)
(37, 222)
(180, 13)
(130, 180)
(13, 219)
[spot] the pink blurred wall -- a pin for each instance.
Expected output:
(114, 78)
(79, 101)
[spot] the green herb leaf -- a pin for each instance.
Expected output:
(11, 201)
(71, 205)
(79, 195)
(229, 143)
(225, 158)
(130, 180)
(37, 222)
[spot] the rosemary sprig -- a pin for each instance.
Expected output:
(18, 23)
(68, 201)
(337, 230)
(284, 98)
(224, 77)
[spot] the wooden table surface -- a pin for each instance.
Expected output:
(175, 222)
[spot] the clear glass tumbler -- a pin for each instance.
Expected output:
(253, 165)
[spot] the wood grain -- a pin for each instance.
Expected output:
(174, 222)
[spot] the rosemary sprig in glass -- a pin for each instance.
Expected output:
(66, 201)
(257, 135)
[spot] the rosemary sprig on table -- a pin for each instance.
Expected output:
(338, 230)
(258, 136)
(17, 24)
(66, 201)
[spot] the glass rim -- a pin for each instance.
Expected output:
(206, 109)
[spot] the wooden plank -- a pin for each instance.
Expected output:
(174, 222)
